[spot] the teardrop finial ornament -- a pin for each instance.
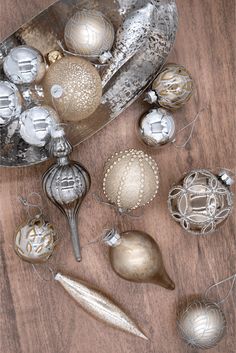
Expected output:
(136, 257)
(66, 183)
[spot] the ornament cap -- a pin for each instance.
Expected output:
(226, 178)
(112, 238)
(150, 97)
(105, 57)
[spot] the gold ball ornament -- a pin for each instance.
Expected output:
(202, 324)
(73, 87)
(35, 241)
(172, 88)
(136, 257)
(89, 33)
(131, 179)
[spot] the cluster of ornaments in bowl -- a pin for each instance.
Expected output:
(40, 92)
(171, 90)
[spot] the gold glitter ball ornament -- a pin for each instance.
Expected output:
(35, 241)
(131, 179)
(73, 87)
(202, 324)
(172, 88)
(89, 33)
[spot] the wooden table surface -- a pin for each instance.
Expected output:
(38, 316)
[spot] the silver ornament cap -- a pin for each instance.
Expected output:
(112, 238)
(156, 128)
(10, 102)
(24, 65)
(226, 178)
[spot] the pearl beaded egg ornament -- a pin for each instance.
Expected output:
(73, 87)
(90, 34)
(202, 201)
(131, 179)
(202, 324)
(172, 88)
(10, 102)
(35, 241)
(24, 65)
(156, 128)
(36, 125)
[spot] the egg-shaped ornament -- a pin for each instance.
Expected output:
(24, 65)
(35, 241)
(10, 102)
(172, 88)
(202, 201)
(89, 33)
(36, 125)
(73, 87)
(131, 179)
(202, 324)
(136, 257)
(156, 128)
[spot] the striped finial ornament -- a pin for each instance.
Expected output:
(131, 179)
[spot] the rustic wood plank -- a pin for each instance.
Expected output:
(37, 316)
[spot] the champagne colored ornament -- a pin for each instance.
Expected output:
(130, 179)
(24, 65)
(156, 128)
(73, 87)
(98, 305)
(202, 201)
(36, 125)
(66, 183)
(90, 34)
(10, 102)
(35, 240)
(136, 257)
(202, 323)
(172, 88)
(130, 38)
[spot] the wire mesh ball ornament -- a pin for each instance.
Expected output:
(24, 65)
(73, 87)
(202, 324)
(36, 125)
(131, 179)
(172, 88)
(90, 34)
(202, 201)
(156, 128)
(10, 102)
(35, 241)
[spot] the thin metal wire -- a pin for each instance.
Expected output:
(221, 301)
(51, 270)
(192, 124)
(29, 205)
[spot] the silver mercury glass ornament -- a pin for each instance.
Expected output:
(66, 183)
(156, 127)
(24, 65)
(10, 102)
(202, 201)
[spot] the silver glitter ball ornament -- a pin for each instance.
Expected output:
(66, 183)
(10, 102)
(202, 324)
(201, 202)
(156, 128)
(36, 125)
(89, 33)
(24, 65)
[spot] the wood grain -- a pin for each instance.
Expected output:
(37, 316)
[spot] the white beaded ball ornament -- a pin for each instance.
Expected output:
(131, 179)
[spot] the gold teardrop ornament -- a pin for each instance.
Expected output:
(136, 257)
(98, 305)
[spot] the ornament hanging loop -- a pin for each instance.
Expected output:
(30, 205)
(221, 301)
(43, 278)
